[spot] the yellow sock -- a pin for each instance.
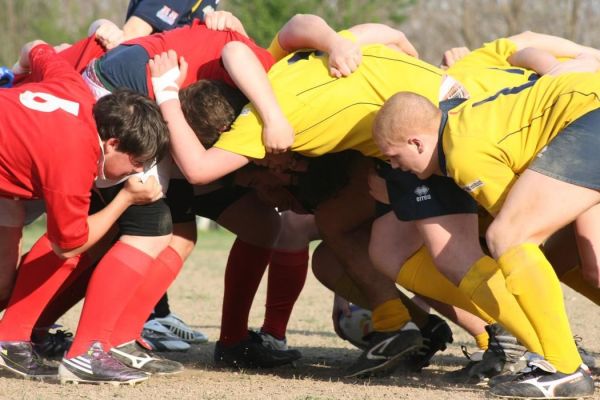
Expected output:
(485, 285)
(346, 288)
(577, 282)
(390, 316)
(482, 340)
(531, 278)
(420, 275)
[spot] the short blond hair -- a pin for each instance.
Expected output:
(402, 113)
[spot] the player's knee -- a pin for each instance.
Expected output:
(318, 264)
(499, 238)
(591, 274)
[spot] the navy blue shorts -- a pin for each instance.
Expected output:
(414, 199)
(572, 156)
(164, 15)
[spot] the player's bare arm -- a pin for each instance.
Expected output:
(383, 34)
(250, 77)
(134, 192)
(304, 31)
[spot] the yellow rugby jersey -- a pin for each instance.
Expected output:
(333, 114)
(487, 70)
(488, 141)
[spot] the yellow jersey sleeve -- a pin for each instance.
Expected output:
(487, 70)
(492, 54)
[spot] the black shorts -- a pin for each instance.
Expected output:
(184, 205)
(153, 219)
(572, 156)
(211, 205)
(414, 199)
(180, 199)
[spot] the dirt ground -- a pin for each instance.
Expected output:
(196, 296)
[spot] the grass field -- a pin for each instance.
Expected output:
(196, 296)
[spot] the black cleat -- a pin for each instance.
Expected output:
(436, 336)
(53, 345)
(135, 356)
(97, 366)
(20, 358)
(386, 350)
(252, 353)
(504, 356)
(542, 381)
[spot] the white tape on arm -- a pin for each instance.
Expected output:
(165, 86)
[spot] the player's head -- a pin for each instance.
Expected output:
(132, 130)
(210, 107)
(405, 131)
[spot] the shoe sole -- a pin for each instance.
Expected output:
(23, 375)
(129, 360)
(65, 376)
(386, 367)
(587, 396)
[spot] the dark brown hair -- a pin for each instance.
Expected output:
(210, 107)
(135, 120)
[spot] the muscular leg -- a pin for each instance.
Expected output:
(536, 207)
(9, 258)
(344, 221)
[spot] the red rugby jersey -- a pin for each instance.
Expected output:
(50, 147)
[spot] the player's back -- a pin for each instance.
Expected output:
(334, 114)
(516, 123)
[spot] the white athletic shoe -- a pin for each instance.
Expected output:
(182, 330)
(160, 338)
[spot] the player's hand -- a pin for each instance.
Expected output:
(223, 21)
(344, 57)
(142, 192)
(22, 66)
(168, 74)
(340, 306)
(277, 135)
(378, 188)
(60, 47)
(109, 35)
(452, 56)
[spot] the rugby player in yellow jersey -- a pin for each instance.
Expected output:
(357, 99)
(525, 154)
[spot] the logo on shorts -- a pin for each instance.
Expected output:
(422, 193)
(167, 15)
(542, 151)
(471, 187)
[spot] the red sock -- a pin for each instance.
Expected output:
(70, 293)
(40, 276)
(114, 282)
(287, 274)
(245, 268)
(163, 272)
